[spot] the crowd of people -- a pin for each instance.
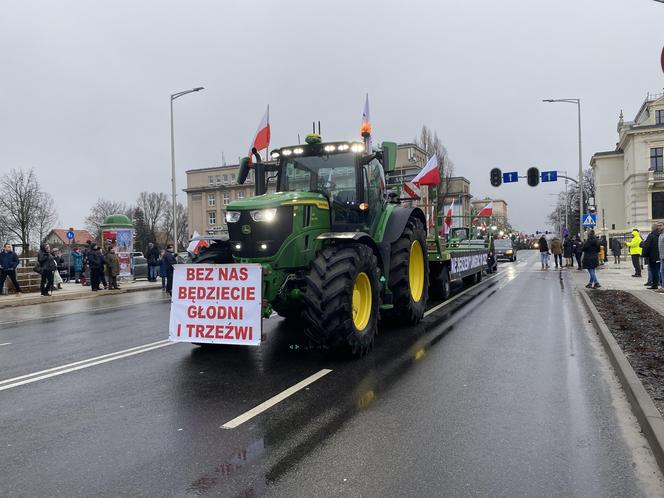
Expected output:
(89, 265)
(593, 253)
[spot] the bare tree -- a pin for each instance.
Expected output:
(431, 143)
(22, 206)
(46, 217)
(155, 207)
(183, 226)
(102, 209)
(570, 204)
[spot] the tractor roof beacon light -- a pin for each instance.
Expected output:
(533, 177)
(313, 138)
(496, 177)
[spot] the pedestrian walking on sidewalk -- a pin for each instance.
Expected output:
(47, 268)
(591, 250)
(8, 265)
(77, 263)
(544, 252)
(568, 250)
(616, 250)
(634, 246)
(152, 255)
(169, 256)
(96, 263)
(59, 266)
(651, 254)
(605, 245)
(577, 248)
(112, 268)
(557, 251)
(163, 271)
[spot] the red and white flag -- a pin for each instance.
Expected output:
(262, 137)
(429, 174)
(447, 224)
(485, 211)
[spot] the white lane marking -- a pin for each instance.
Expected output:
(266, 405)
(41, 372)
(445, 303)
(80, 367)
(5, 344)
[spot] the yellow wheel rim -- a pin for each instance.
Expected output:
(361, 301)
(416, 271)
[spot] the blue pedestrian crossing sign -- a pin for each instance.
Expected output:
(589, 220)
(549, 176)
(70, 234)
(511, 177)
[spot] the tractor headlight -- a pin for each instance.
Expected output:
(232, 216)
(266, 215)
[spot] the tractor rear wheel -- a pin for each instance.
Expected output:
(409, 273)
(342, 298)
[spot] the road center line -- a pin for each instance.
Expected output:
(266, 405)
(42, 372)
(5, 344)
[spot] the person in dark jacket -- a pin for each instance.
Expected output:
(152, 255)
(544, 252)
(568, 250)
(577, 249)
(8, 265)
(170, 262)
(96, 263)
(651, 254)
(616, 250)
(591, 259)
(47, 269)
(605, 244)
(163, 271)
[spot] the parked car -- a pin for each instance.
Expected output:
(505, 249)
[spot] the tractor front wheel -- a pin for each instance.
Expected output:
(342, 299)
(409, 273)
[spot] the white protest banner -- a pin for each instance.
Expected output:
(219, 304)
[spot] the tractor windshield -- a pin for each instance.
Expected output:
(332, 175)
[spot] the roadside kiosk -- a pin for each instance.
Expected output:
(118, 231)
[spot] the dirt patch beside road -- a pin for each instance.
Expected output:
(639, 331)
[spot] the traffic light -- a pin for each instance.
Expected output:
(533, 177)
(496, 177)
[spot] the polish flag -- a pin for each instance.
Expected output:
(262, 137)
(196, 243)
(429, 174)
(447, 225)
(486, 211)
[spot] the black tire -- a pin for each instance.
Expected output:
(478, 276)
(328, 298)
(439, 283)
(470, 279)
(219, 253)
(407, 309)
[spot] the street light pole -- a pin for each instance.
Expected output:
(578, 104)
(175, 225)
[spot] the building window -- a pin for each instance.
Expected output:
(211, 180)
(217, 180)
(233, 178)
(659, 116)
(212, 218)
(239, 194)
(657, 159)
(212, 201)
(227, 198)
(657, 205)
(225, 178)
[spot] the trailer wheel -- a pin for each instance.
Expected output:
(439, 283)
(409, 274)
(342, 299)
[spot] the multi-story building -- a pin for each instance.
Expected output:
(209, 190)
(629, 180)
(499, 208)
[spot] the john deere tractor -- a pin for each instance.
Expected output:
(336, 252)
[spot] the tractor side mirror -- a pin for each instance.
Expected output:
(389, 156)
(244, 171)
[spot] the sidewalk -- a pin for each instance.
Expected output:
(71, 291)
(619, 277)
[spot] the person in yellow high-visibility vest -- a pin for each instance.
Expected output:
(634, 246)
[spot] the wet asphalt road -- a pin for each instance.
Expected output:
(498, 393)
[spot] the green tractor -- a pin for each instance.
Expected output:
(337, 252)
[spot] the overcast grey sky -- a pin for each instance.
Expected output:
(84, 86)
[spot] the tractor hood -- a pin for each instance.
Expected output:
(279, 199)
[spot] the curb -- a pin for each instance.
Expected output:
(649, 418)
(73, 296)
